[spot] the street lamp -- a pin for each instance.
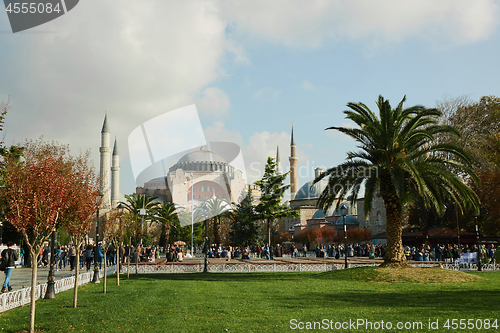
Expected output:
(142, 212)
(478, 255)
(192, 210)
(50, 293)
(343, 212)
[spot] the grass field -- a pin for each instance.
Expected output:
(273, 302)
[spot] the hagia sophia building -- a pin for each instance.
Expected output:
(202, 174)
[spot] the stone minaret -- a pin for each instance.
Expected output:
(105, 164)
(293, 168)
(115, 177)
(278, 162)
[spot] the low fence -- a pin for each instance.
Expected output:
(281, 267)
(22, 296)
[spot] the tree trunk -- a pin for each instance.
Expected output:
(216, 232)
(118, 264)
(34, 268)
(394, 254)
(268, 232)
(77, 274)
(104, 284)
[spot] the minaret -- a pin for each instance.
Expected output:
(293, 168)
(115, 177)
(105, 164)
(278, 162)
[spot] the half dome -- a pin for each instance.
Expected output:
(307, 191)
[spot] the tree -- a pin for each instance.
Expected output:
(479, 126)
(329, 235)
(400, 155)
(112, 230)
(134, 203)
(84, 201)
(215, 208)
(272, 189)
(165, 213)
(245, 226)
(37, 191)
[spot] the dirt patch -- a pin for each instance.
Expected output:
(422, 275)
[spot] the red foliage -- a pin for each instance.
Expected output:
(359, 235)
(85, 199)
(329, 235)
(37, 191)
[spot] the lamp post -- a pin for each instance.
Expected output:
(50, 293)
(142, 212)
(478, 256)
(343, 212)
(192, 212)
(206, 248)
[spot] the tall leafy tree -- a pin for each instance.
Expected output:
(134, 203)
(37, 191)
(478, 123)
(245, 227)
(272, 188)
(166, 214)
(84, 201)
(216, 209)
(401, 156)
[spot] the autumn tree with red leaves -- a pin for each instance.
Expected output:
(83, 203)
(37, 191)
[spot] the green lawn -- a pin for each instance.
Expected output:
(265, 302)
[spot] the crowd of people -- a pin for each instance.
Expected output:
(449, 253)
(441, 252)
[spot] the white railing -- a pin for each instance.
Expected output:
(22, 296)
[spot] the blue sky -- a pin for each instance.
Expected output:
(251, 68)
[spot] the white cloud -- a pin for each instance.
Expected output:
(214, 102)
(313, 22)
(263, 145)
(219, 132)
(308, 86)
(267, 93)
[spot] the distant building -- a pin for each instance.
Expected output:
(211, 177)
(109, 169)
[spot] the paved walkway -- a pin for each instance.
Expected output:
(21, 276)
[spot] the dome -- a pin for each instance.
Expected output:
(201, 156)
(349, 219)
(308, 192)
(202, 160)
(318, 214)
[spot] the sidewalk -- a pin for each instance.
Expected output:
(21, 276)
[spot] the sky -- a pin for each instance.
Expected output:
(251, 68)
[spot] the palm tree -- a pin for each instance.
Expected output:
(401, 156)
(214, 209)
(134, 203)
(166, 214)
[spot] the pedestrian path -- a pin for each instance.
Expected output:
(21, 276)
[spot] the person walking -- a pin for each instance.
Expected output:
(9, 257)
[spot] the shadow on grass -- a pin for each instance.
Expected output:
(440, 300)
(219, 276)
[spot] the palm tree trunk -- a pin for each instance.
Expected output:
(394, 254)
